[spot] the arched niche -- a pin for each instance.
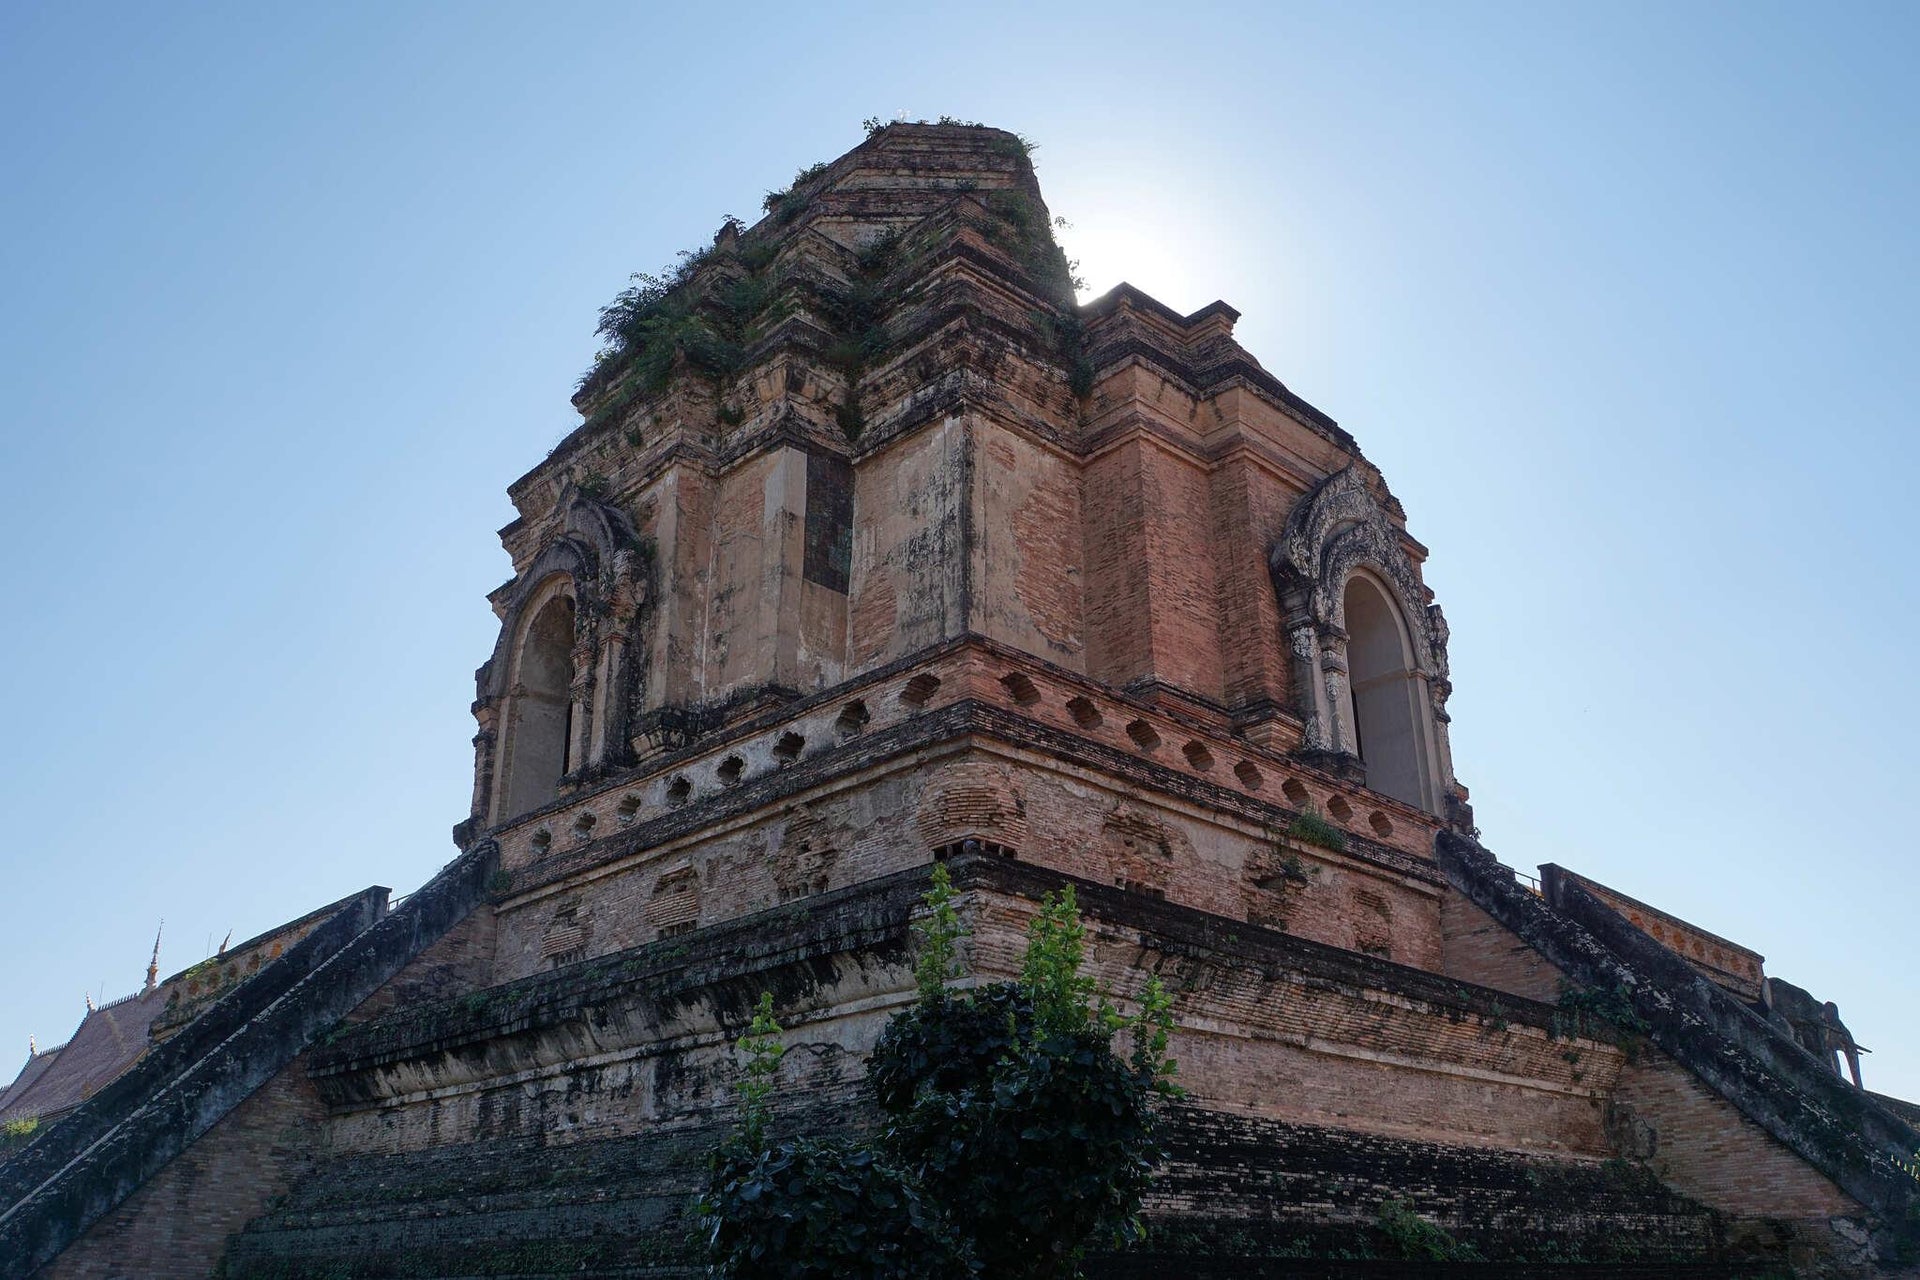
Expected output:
(1387, 695)
(540, 710)
(596, 559)
(1370, 658)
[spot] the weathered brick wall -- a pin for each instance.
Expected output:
(461, 961)
(1119, 643)
(873, 821)
(1708, 1150)
(806, 846)
(1477, 948)
(676, 510)
(1235, 1187)
(1273, 1028)
(908, 577)
(755, 511)
(175, 1226)
(1183, 614)
(1269, 1026)
(1250, 507)
(1027, 550)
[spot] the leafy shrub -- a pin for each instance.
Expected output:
(1016, 1138)
(811, 1210)
(1611, 1005)
(1410, 1236)
(1314, 829)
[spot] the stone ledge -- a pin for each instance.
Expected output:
(731, 962)
(968, 717)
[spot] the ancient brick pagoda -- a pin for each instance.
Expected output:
(874, 548)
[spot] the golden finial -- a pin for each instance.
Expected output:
(153, 965)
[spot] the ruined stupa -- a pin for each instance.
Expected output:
(875, 548)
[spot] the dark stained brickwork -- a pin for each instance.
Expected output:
(829, 520)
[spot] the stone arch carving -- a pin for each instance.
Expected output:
(537, 710)
(597, 560)
(1338, 530)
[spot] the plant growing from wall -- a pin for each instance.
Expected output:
(1581, 1008)
(17, 1133)
(1016, 1138)
(1408, 1235)
(812, 1209)
(1309, 826)
(685, 314)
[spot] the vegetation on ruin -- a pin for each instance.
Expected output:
(1309, 826)
(701, 313)
(786, 205)
(1018, 144)
(659, 321)
(17, 1133)
(1016, 1138)
(1408, 1235)
(1581, 1008)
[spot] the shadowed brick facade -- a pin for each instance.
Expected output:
(900, 555)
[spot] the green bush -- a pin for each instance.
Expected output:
(811, 1210)
(1314, 829)
(1583, 1007)
(1410, 1236)
(1016, 1138)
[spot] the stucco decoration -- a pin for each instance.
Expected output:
(597, 559)
(1336, 529)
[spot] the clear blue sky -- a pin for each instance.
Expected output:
(1621, 297)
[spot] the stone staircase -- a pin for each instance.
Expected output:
(1240, 1188)
(1239, 1195)
(71, 1177)
(612, 1207)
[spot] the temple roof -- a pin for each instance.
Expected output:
(108, 1041)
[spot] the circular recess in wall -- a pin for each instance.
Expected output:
(1084, 713)
(1340, 809)
(1143, 735)
(853, 718)
(1198, 756)
(1382, 825)
(730, 770)
(1296, 793)
(629, 809)
(1249, 776)
(542, 841)
(788, 749)
(920, 690)
(1020, 689)
(583, 826)
(679, 791)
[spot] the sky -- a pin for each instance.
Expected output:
(1622, 298)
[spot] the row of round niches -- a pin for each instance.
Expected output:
(732, 769)
(1199, 758)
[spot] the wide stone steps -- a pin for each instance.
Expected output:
(1239, 1197)
(612, 1207)
(1238, 1186)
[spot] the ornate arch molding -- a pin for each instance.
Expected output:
(1337, 528)
(605, 569)
(598, 552)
